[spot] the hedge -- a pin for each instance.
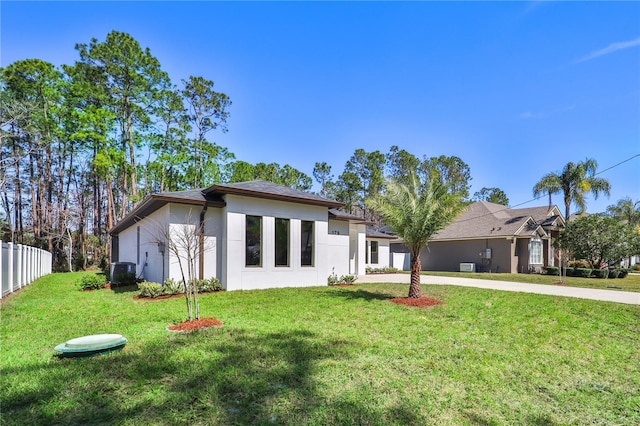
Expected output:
(582, 272)
(553, 270)
(600, 273)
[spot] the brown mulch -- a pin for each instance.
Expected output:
(561, 283)
(421, 302)
(198, 324)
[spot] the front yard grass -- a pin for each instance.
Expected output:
(322, 355)
(630, 283)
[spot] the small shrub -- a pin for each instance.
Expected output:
(614, 273)
(124, 279)
(333, 278)
(348, 279)
(553, 270)
(623, 273)
(569, 271)
(150, 289)
(92, 282)
(209, 285)
(600, 273)
(582, 272)
(344, 279)
(172, 286)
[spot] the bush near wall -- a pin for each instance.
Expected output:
(600, 273)
(92, 282)
(553, 270)
(570, 271)
(623, 273)
(150, 289)
(614, 273)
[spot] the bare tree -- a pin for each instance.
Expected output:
(187, 244)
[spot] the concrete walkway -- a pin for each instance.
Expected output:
(627, 297)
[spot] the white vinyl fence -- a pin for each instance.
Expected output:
(21, 265)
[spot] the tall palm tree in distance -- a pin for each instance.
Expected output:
(575, 180)
(416, 213)
(627, 212)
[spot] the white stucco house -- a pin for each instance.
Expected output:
(377, 249)
(253, 235)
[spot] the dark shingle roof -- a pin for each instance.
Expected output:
(488, 220)
(373, 233)
(340, 215)
(270, 190)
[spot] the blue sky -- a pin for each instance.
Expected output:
(515, 89)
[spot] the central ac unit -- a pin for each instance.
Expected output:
(467, 267)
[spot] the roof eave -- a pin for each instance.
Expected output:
(224, 190)
(153, 203)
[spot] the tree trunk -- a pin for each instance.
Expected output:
(415, 291)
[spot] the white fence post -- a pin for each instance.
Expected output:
(21, 265)
(3, 271)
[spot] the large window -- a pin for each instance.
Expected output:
(306, 243)
(282, 242)
(253, 241)
(374, 252)
(535, 252)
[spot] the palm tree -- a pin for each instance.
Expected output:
(574, 182)
(627, 212)
(416, 213)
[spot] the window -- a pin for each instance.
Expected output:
(306, 243)
(282, 242)
(253, 241)
(535, 252)
(374, 252)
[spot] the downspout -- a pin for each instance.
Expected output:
(201, 243)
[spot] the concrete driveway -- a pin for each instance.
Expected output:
(627, 297)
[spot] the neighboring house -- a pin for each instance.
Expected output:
(254, 235)
(490, 237)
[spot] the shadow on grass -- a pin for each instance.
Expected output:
(124, 288)
(213, 377)
(343, 292)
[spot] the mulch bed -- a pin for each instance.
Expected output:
(199, 324)
(422, 302)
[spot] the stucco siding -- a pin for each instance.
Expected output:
(139, 244)
(383, 253)
(237, 276)
(338, 247)
(447, 255)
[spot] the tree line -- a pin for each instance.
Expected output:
(81, 144)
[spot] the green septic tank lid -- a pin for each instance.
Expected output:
(91, 345)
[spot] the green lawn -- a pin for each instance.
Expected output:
(630, 283)
(323, 355)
